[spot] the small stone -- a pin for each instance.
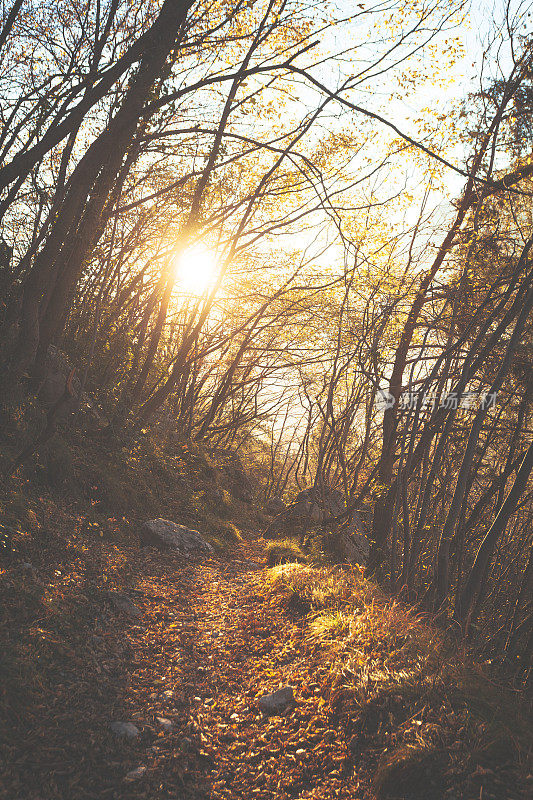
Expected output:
(278, 701)
(165, 723)
(168, 694)
(121, 602)
(135, 774)
(126, 730)
(300, 752)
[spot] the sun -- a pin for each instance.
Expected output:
(196, 270)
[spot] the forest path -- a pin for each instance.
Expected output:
(183, 675)
(212, 642)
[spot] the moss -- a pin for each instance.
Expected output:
(230, 531)
(222, 528)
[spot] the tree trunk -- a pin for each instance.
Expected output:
(486, 548)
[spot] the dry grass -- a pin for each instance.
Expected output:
(399, 687)
(324, 587)
(376, 640)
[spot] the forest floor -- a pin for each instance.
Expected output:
(386, 706)
(212, 637)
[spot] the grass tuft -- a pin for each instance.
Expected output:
(284, 552)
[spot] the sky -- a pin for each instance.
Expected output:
(465, 77)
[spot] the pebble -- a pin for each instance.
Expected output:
(277, 701)
(126, 730)
(135, 774)
(165, 723)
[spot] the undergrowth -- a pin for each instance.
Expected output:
(400, 689)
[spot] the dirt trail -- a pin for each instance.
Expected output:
(217, 653)
(210, 640)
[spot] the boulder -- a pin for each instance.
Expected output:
(352, 547)
(322, 503)
(275, 505)
(167, 535)
(277, 702)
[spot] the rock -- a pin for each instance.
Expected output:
(124, 730)
(135, 774)
(122, 602)
(361, 546)
(278, 701)
(240, 485)
(275, 505)
(310, 506)
(251, 564)
(167, 535)
(323, 502)
(165, 723)
(57, 370)
(352, 547)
